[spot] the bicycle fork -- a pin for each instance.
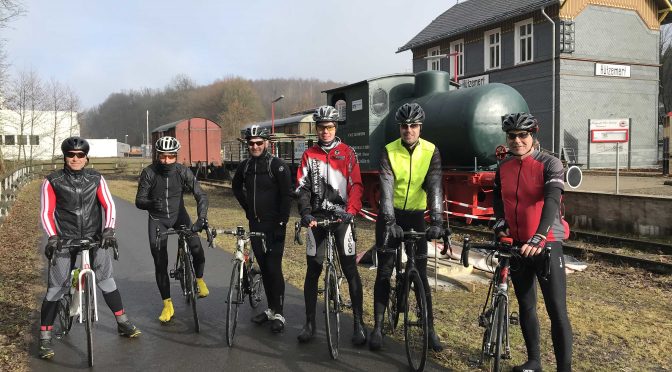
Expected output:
(80, 292)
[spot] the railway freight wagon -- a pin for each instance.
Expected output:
(200, 140)
(465, 124)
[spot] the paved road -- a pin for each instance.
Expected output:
(176, 347)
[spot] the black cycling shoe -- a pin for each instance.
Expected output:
(529, 366)
(308, 331)
(261, 318)
(278, 323)
(359, 332)
(376, 339)
(46, 351)
(434, 341)
(127, 329)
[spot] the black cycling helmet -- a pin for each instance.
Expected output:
(325, 113)
(256, 131)
(167, 144)
(410, 113)
(520, 121)
(75, 144)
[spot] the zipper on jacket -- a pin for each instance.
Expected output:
(254, 192)
(410, 174)
(167, 205)
(520, 170)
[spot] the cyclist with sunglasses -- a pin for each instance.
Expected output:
(410, 183)
(527, 195)
(160, 192)
(263, 186)
(330, 185)
(74, 201)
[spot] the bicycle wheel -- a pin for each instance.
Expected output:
(179, 273)
(487, 346)
(501, 329)
(256, 287)
(415, 322)
(233, 301)
(332, 310)
(393, 308)
(90, 312)
(64, 317)
(192, 293)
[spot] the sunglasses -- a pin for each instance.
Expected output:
(167, 156)
(522, 135)
(78, 155)
(411, 126)
(330, 128)
(255, 143)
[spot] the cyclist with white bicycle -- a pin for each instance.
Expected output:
(527, 194)
(263, 187)
(160, 192)
(73, 202)
(410, 183)
(330, 185)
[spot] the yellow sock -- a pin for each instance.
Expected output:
(168, 311)
(202, 288)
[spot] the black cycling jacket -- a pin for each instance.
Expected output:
(168, 187)
(263, 187)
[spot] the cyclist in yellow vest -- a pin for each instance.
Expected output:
(410, 179)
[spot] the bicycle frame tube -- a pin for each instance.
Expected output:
(86, 270)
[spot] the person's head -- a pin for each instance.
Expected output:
(75, 152)
(410, 117)
(166, 149)
(256, 138)
(326, 121)
(521, 129)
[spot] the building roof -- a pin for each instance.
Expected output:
(473, 14)
(166, 127)
(283, 121)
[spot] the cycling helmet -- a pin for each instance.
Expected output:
(520, 121)
(256, 131)
(75, 144)
(410, 113)
(325, 113)
(167, 144)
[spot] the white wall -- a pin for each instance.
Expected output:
(42, 124)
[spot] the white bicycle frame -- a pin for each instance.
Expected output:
(85, 270)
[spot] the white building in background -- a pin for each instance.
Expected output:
(36, 139)
(107, 148)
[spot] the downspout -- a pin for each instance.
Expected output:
(543, 11)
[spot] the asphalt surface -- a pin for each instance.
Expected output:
(176, 347)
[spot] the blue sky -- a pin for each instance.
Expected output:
(99, 47)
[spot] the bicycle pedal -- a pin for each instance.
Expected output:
(171, 273)
(513, 318)
(483, 321)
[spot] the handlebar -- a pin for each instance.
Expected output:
(505, 248)
(186, 232)
(240, 233)
(325, 222)
(79, 244)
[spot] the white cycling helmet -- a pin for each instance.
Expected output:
(167, 144)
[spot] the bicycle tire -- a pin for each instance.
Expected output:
(393, 308)
(64, 318)
(233, 300)
(332, 310)
(179, 273)
(486, 346)
(192, 293)
(89, 310)
(499, 340)
(415, 322)
(256, 283)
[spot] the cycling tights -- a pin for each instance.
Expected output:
(270, 262)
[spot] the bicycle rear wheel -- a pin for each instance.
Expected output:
(332, 310)
(190, 282)
(393, 305)
(501, 329)
(233, 301)
(64, 317)
(415, 322)
(256, 287)
(90, 312)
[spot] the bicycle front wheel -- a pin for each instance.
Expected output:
(192, 294)
(90, 312)
(415, 322)
(393, 306)
(233, 301)
(332, 310)
(256, 287)
(501, 329)
(64, 317)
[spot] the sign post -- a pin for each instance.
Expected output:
(604, 132)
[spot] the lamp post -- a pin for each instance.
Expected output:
(273, 113)
(126, 139)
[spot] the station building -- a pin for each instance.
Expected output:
(588, 69)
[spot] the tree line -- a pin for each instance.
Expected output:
(232, 102)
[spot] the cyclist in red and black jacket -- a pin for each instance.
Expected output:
(330, 185)
(527, 195)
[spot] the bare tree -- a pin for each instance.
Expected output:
(57, 101)
(72, 105)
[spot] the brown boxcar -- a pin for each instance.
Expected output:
(201, 140)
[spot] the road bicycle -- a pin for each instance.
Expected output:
(333, 278)
(245, 277)
(81, 301)
(495, 316)
(184, 266)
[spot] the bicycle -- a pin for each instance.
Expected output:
(245, 278)
(184, 266)
(495, 316)
(333, 278)
(84, 305)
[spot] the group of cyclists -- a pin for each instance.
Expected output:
(528, 188)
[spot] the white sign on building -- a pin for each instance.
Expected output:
(357, 105)
(603, 69)
(604, 136)
(475, 81)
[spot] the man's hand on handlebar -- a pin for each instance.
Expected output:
(534, 246)
(53, 244)
(308, 221)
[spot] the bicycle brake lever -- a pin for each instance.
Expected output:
(116, 253)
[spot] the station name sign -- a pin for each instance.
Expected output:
(603, 69)
(475, 81)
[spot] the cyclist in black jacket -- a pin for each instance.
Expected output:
(160, 191)
(262, 185)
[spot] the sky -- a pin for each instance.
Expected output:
(101, 47)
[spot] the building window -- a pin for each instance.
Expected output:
(493, 50)
(457, 57)
(524, 48)
(22, 139)
(342, 107)
(433, 64)
(567, 36)
(10, 140)
(35, 140)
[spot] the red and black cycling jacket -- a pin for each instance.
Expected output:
(527, 194)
